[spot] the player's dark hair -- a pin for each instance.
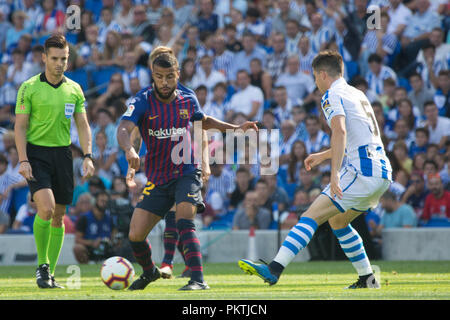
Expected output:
(165, 60)
(329, 61)
(55, 41)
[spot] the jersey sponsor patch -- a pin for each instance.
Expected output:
(69, 109)
(129, 111)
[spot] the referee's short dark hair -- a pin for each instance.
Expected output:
(55, 41)
(329, 61)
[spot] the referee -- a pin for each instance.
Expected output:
(45, 105)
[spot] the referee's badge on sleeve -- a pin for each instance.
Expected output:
(69, 109)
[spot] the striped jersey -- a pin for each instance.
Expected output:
(364, 148)
(165, 130)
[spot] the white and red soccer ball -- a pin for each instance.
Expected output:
(117, 273)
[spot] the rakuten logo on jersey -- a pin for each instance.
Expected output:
(167, 133)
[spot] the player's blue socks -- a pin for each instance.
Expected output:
(297, 239)
(142, 251)
(170, 238)
(352, 244)
(191, 244)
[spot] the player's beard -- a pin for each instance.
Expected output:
(162, 95)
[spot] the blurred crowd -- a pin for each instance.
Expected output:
(246, 60)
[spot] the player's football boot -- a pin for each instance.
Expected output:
(55, 284)
(194, 285)
(367, 281)
(166, 271)
(144, 280)
(260, 270)
(43, 277)
(186, 273)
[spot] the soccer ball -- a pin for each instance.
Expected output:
(117, 273)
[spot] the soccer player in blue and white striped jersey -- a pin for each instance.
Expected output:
(353, 189)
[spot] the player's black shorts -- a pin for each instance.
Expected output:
(159, 199)
(52, 168)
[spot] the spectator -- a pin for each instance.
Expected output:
(18, 29)
(220, 182)
(202, 93)
(442, 94)
(439, 127)
(306, 182)
(280, 20)
(243, 185)
(223, 58)
(9, 181)
(132, 70)
(114, 92)
(442, 49)
(107, 24)
(396, 214)
(399, 16)
(242, 58)
(24, 220)
(277, 193)
(253, 24)
(233, 43)
(90, 50)
(37, 64)
(207, 20)
(297, 157)
(420, 143)
(184, 12)
(419, 161)
(306, 55)
(207, 76)
(288, 137)
(298, 84)
(377, 73)
(283, 108)
(105, 158)
(154, 11)
(319, 34)
(430, 168)
(299, 116)
(430, 67)
(276, 61)
(124, 17)
(5, 26)
(387, 97)
(361, 84)
(142, 28)
(187, 72)
(415, 194)
(94, 232)
(260, 78)
(316, 139)
(250, 214)
(401, 154)
(445, 174)
(437, 203)
(248, 100)
(218, 106)
(419, 93)
(111, 51)
(293, 36)
(83, 205)
(51, 20)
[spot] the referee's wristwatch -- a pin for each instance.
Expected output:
(88, 155)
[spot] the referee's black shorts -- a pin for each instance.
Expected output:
(53, 169)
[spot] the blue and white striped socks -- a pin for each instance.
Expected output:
(352, 244)
(297, 239)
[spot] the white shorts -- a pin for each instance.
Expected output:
(360, 193)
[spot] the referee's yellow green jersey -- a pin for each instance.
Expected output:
(51, 108)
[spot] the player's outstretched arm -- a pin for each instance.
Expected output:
(338, 141)
(209, 122)
(315, 159)
(124, 139)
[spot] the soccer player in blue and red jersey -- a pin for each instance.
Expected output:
(163, 115)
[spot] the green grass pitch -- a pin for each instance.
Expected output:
(310, 280)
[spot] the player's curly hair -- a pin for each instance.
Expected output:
(162, 53)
